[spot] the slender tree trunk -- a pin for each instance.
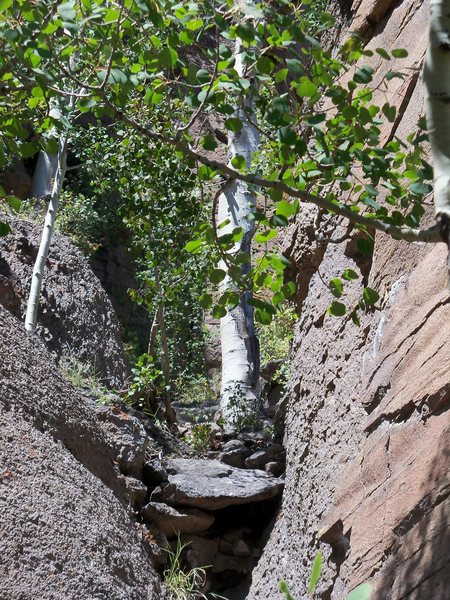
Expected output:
(240, 355)
(436, 77)
(38, 270)
(151, 350)
(44, 174)
(171, 415)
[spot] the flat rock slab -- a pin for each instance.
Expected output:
(212, 485)
(174, 522)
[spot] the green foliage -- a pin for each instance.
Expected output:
(83, 376)
(147, 383)
(199, 437)
(185, 583)
(10, 205)
(275, 342)
(191, 388)
(284, 588)
(79, 218)
(362, 592)
(182, 583)
(316, 570)
(146, 72)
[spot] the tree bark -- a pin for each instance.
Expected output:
(436, 77)
(151, 350)
(240, 356)
(171, 415)
(44, 174)
(38, 269)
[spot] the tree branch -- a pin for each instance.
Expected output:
(408, 234)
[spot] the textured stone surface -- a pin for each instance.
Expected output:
(173, 522)
(75, 316)
(65, 533)
(211, 485)
(368, 422)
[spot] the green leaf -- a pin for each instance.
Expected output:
(281, 75)
(284, 589)
(251, 10)
(263, 316)
(362, 592)
(277, 298)
(419, 189)
(265, 65)
(194, 24)
(233, 124)
(363, 75)
(168, 57)
(238, 162)
(218, 311)
(208, 142)
(205, 173)
(370, 296)
(355, 318)
(205, 301)
(305, 87)
(287, 209)
(28, 149)
(14, 202)
(289, 289)
(336, 287)
(5, 229)
(399, 53)
(278, 221)
(389, 111)
(246, 32)
(268, 235)
(337, 309)
(217, 275)
(394, 74)
(4, 5)
(117, 76)
(315, 573)
(365, 246)
(261, 305)
(193, 246)
(382, 52)
(349, 274)
(86, 105)
(67, 11)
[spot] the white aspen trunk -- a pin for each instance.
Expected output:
(44, 174)
(38, 269)
(171, 415)
(240, 353)
(436, 75)
(151, 350)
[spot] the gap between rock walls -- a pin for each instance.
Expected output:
(212, 511)
(205, 498)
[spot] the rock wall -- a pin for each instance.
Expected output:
(67, 477)
(75, 315)
(368, 422)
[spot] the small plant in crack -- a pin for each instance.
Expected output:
(83, 376)
(184, 583)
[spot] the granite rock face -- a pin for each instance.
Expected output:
(75, 315)
(66, 530)
(368, 420)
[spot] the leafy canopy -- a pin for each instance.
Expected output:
(166, 70)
